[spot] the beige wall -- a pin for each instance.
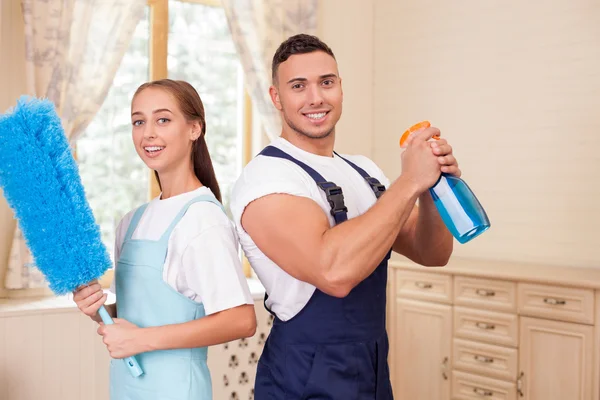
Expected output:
(347, 27)
(12, 78)
(515, 87)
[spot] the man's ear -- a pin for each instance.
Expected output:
(274, 93)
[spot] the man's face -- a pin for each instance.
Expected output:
(308, 92)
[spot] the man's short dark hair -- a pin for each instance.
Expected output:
(297, 44)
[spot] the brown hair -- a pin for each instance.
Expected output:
(191, 106)
(297, 44)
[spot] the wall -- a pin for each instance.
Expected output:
(12, 82)
(49, 350)
(347, 27)
(515, 87)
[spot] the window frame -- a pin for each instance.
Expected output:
(159, 39)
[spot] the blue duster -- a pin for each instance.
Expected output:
(41, 182)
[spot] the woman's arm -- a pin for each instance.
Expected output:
(124, 339)
(222, 327)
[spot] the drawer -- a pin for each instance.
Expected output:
(555, 302)
(473, 387)
(485, 359)
(424, 286)
(486, 326)
(487, 294)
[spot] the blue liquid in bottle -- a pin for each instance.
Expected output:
(459, 208)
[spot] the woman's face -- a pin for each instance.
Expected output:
(161, 134)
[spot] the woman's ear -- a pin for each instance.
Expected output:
(196, 130)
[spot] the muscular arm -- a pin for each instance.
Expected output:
(295, 233)
(424, 238)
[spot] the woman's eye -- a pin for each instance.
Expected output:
(137, 123)
(163, 120)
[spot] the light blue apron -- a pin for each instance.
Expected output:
(145, 299)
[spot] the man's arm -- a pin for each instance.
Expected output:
(295, 233)
(424, 237)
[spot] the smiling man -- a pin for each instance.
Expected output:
(318, 229)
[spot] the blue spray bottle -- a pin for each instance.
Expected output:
(458, 206)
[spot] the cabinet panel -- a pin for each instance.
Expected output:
(488, 294)
(556, 360)
(557, 303)
(473, 387)
(486, 326)
(424, 286)
(423, 347)
(485, 359)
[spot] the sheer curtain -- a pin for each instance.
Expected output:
(73, 50)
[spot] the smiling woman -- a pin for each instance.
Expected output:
(169, 128)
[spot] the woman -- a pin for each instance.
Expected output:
(178, 279)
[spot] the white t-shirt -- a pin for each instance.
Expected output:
(267, 175)
(202, 260)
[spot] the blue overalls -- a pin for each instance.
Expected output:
(334, 348)
(145, 299)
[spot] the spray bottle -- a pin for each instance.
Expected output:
(457, 204)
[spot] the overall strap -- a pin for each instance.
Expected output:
(374, 184)
(181, 213)
(135, 221)
(333, 192)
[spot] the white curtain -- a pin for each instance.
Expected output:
(73, 51)
(258, 27)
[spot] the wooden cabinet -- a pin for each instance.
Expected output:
(489, 330)
(423, 337)
(555, 360)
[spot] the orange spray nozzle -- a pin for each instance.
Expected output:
(414, 128)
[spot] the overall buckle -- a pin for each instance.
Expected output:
(335, 197)
(376, 186)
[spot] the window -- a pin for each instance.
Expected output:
(187, 40)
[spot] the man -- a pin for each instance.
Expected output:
(318, 229)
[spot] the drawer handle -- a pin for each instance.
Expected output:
(483, 392)
(423, 285)
(445, 368)
(484, 325)
(485, 292)
(555, 302)
(483, 359)
(520, 384)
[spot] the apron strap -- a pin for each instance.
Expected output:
(334, 193)
(181, 213)
(135, 221)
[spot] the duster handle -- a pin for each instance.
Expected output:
(132, 365)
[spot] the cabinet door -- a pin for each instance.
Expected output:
(555, 360)
(422, 346)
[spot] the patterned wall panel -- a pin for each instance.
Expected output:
(233, 365)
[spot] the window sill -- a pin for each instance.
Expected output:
(57, 304)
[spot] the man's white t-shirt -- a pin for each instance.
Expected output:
(268, 175)
(202, 260)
